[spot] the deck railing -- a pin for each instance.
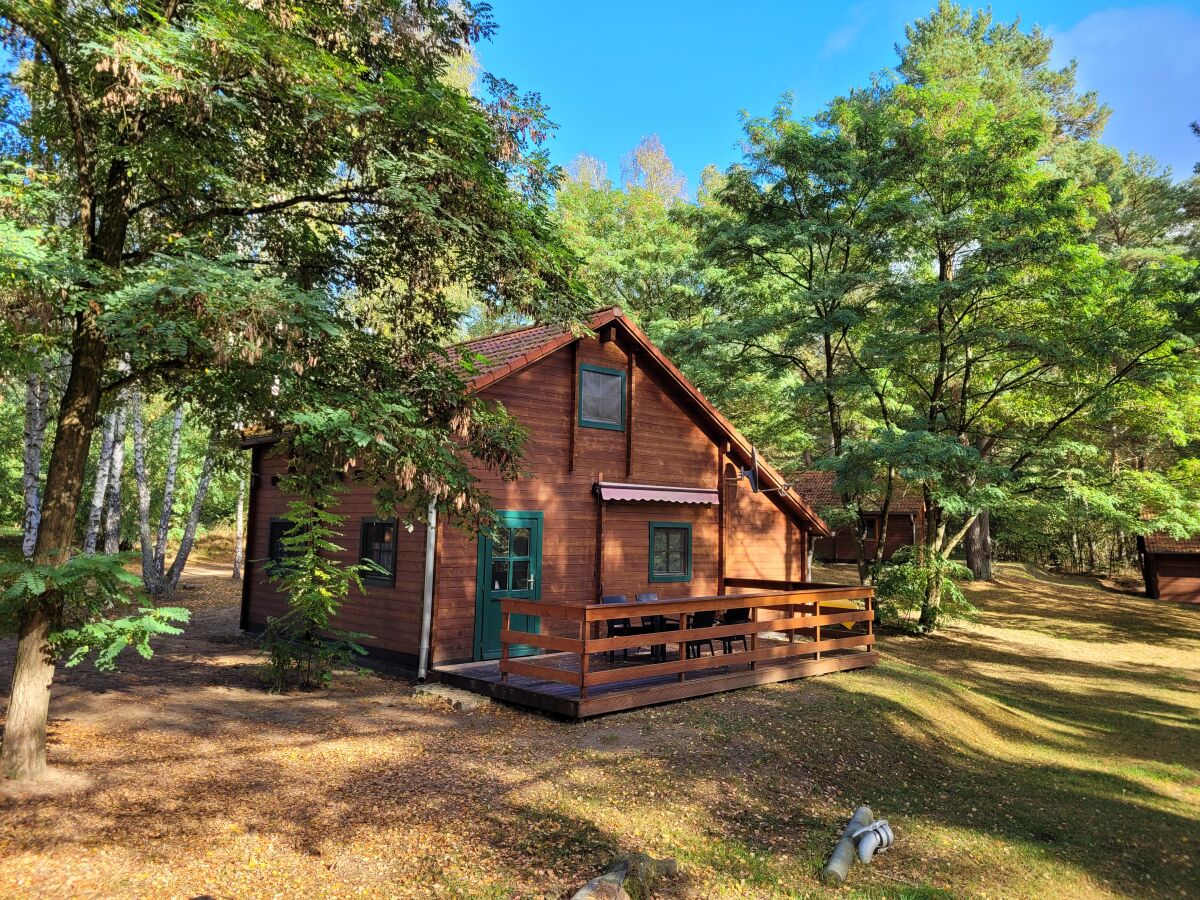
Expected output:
(792, 612)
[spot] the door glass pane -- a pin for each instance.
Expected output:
(499, 574)
(501, 544)
(520, 575)
(520, 542)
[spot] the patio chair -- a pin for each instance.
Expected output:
(704, 619)
(617, 627)
(735, 617)
(652, 624)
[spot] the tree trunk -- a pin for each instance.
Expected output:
(931, 553)
(100, 490)
(931, 605)
(23, 754)
(189, 531)
(149, 576)
(239, 534)
(978, 546)
(168, 497)
(37, 396)
(860, 547)
(112, 516)
(24, 751)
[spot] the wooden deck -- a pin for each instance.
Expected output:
(574, 677)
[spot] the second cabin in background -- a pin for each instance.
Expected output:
(635, 486)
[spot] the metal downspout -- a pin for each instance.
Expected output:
(427, 594)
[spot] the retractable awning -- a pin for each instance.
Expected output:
(656, 493)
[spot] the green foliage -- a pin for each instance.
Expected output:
(103, 603)
(302, 647)
(904, 583)
(107, 638)
(939, 280)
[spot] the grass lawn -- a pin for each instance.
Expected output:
(1051, 749)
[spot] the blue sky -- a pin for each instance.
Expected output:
(616, 71)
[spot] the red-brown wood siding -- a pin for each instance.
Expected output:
(762, 542)
(390, 615)
(1175, 577)
(667, 447)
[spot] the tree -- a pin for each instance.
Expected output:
(801, 231)
(195, 188)
(1005, 326)
(636, 250)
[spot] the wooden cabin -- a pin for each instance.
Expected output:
(1171, 567)
(636, 487)
(905, 520)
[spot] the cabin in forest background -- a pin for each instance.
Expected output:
(905, 520)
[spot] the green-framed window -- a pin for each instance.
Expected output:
(601, 397)
(670, 551)
(377, 544)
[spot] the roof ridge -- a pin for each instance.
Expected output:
(500, 334)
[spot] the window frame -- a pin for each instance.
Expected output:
(276, 567)
(600, 370)
(388, 580)
(872, 530)
(671, 577)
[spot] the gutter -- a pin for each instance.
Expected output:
(427, 594)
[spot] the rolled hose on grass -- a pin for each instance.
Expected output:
(871, 836)
(874, 838)
(835, 870)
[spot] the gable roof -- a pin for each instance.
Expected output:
(817, 487)
(1161, 543)
(509, 351)
(515, 350)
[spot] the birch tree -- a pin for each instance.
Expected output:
(160, 579)
(100, 488)
(112, 515)
(239, 536)
(37, 400)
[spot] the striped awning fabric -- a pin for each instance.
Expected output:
(656, 493)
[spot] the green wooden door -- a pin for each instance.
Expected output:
(510, 565)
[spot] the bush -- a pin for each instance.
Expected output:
(299, 659)
(902, 585)
(301, 647)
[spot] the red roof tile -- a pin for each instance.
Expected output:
(500, 349)
(817, 489)
(1161, 543)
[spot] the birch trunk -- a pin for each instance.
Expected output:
(238, 533)
(168, 497)
(142, 479)
(189, 531)
(37, 396)
(112, 515)
(100, 490)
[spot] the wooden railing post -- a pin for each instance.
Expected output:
(584, 657)
(683, 629)
(753, 635)
(870, 605)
